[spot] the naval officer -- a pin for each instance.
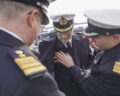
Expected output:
(64, 41)
(21, 73)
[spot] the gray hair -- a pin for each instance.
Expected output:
(12, 10)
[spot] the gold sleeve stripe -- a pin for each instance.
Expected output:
(24, 66)
(35, 69)
(25, 62)
(29, 65)
(24, 59)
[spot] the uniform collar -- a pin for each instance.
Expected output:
(9, 40)
(111, 53)
(70, 43)
(11, 33)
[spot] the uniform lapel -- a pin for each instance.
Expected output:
(59, 44)
(75, 51)
(50, 49)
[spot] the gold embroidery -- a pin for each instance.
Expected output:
(19, 52)
(63, 21)
(38, 3)
(28, 64)
(63, 30)
(116, 67)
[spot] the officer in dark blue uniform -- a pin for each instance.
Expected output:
(103, 78)
(21, 74)
(66, 42)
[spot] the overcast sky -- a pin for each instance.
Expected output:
(79, 6)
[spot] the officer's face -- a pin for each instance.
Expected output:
(64, 37)
(102, 42)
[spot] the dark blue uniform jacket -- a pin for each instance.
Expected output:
(105, 75)
(80, 49)
(80, 53)
(13, 81)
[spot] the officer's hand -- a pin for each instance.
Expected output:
(65, 59)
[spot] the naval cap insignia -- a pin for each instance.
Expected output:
(63, 21)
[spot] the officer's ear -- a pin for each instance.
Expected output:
(116, 37)
(32, 17)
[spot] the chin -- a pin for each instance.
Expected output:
(29, 44)
(65, 41)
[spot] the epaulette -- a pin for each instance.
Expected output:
(30, 66)
(116, 67)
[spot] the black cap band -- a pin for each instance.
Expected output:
(63, 28)
(93, 31)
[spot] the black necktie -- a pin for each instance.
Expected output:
(68, 45)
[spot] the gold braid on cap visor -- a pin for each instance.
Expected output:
(63, 30)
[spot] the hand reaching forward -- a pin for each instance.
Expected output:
(65, 59)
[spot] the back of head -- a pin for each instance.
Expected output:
(24, 17)
(12, 8)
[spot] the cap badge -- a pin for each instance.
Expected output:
(63, 21)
